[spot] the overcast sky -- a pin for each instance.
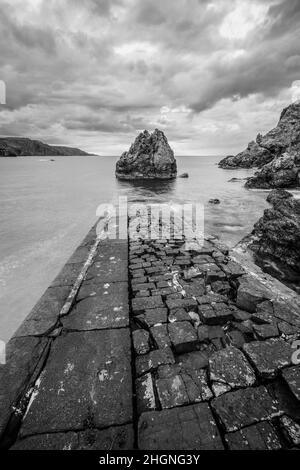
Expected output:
(93, 73)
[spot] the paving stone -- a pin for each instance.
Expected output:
(221, 287)
(102, 306)
(171, 392)
(80, 255)
(87, 379)
(216, 314)
(142, 304)
(266, 331)
(142, 293)
(196, 386)
(145, 393)
(155, 316)
(184, 428)
(192, 272)
(229, 366)
(259, 436)
(291, 376)
(244, 407)
(190, 304)
(240, 315)
(291, 430)
(202, 259)
(183, 336)
(178, 314)
(138, 280)
(44, 315)
(203, 332)
(194, 360)
(160, 335)
(220, 388)
(232, 269)
(141, 341)
(143, 286)
(269, 356)
(287, 329)
(251, 292)
(22, 358)
(215, 332)
(236, 338)
(154, 359)
(195, 288)
(114, 438)
(211, 298)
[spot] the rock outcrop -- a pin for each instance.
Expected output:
(253, 156)
(276, 235)
(24, 147)
(277, 154)
(149, 157)
(282, 172)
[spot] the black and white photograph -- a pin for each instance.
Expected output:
(149, 230)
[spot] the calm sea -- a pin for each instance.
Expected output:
(46, 208)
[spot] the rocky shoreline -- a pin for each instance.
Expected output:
(153, 344)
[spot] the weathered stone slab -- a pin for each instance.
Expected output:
(145, 393)
(67, 275)
(291, 375)
(109, 270)
(115, 438)
(178, 314)
(269, 356)
(141, 341)
(229, 366)
(45, 313)
(259, 436)
(183, 336)
(86, 382)
(251, 292)
(189, 303)
(22, 357)
(80, 255)
(244, 407)
(194, 360)
(154, 359)
(266, 331)
(184, 428)
(102, 306)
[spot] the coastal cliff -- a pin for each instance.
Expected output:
(24, 147)
(149, 157)
(276, 154)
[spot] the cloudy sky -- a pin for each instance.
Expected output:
(93, 73)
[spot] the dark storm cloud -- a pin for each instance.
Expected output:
(107, 67)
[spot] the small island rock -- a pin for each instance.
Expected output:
(149, 157)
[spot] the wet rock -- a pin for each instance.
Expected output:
(183, 428)
(276, 234)
(269, 356)
(183, 336)
(245, 407)
(145, 393)
(230, 367)
(261, 436)
(141, 341)
(149, 157)
(281, 172)
(292, 378)
(253, 156)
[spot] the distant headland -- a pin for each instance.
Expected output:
(25, 147)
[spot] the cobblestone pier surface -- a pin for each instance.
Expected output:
(153, 344)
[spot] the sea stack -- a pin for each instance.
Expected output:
(149, 157)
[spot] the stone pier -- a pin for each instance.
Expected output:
(149, 344)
